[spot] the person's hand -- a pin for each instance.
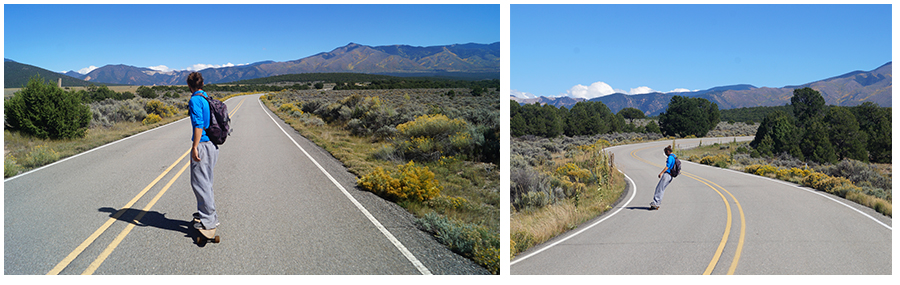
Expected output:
(658, 176)
(195, 154)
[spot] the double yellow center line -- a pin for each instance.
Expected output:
(112, 246)
(721, 248)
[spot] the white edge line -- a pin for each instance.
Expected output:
(412, 258)
(633, 193)
(817, 192)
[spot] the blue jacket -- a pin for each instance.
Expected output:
(198, 108)
(670, 163)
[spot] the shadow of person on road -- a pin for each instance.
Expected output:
(152, 219)
(639, 208)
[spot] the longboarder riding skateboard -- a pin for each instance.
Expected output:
(205, 235)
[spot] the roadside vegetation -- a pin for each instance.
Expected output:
(35, 133)
(868, 184)
(434, 152)
(845, 151)
(556, 185)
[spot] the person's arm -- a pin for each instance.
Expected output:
(669, 160)
(195, 154)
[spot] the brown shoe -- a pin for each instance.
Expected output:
(654, 207)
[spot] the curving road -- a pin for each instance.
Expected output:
(716, 221)
(285, 206)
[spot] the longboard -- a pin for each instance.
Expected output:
(206, 235)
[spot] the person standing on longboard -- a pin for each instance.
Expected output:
(203, 154)
(665, 177)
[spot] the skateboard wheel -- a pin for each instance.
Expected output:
(217, 239)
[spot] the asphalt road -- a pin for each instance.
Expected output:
(716, 221)
(285, 206)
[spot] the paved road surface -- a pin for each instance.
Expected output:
(715, 221)
(279, 211)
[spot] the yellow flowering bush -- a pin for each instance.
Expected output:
(573, 172)
(429, 137)
(160, 109)
(720, 160)
(151, 119)
(431, 126)
(411, 183)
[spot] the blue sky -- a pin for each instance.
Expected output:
(594, 50)
(178, 37)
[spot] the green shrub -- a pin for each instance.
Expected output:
(720, 160)
(10, 167)
(472, 241)
(110, 111)
(39, 156)
(429, 137)
(46, 111)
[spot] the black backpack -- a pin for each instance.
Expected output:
(677, 169)
(219, 125)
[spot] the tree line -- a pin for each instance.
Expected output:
(684, 117)
(825, 134)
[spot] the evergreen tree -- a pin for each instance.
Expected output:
(815, 144)
(146, 92)
(631, 113)
(766, 146)
(843, 131)
(808, 106)
(779, 128)
(46, 111)
(689, 116)
(876, 123)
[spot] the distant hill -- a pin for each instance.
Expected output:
(849, 89)
(16, 75)
(567, 102)
(474, 61)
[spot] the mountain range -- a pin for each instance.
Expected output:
(460, 60)
(849, 89)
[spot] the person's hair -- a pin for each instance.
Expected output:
(195, 80)
(668, 149)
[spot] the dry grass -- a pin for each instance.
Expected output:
(18, 146)
(535, 226)
(351, 150)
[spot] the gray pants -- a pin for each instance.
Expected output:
(202, 183)
(661, 188)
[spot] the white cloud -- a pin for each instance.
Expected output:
(597, 89)
(600, 89)
(161, 68)
(641, 90)
(202, 66)
(521, 94)
(680, 90)
(87, 70)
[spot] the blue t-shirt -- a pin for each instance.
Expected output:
(198, 108)
(670, 163)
